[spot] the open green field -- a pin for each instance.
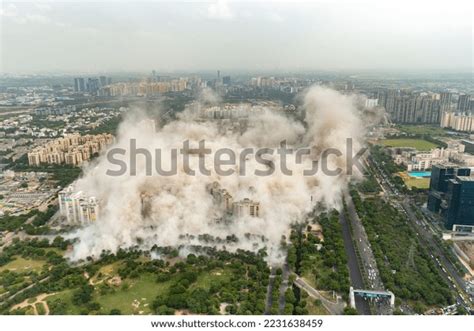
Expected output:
(138, 294)
(135, 297)
(205, 280)
(422, 183)
(132, 283)
(423, 130)
(63, 299)
(40, 308)
(21, 265)
(419, 144)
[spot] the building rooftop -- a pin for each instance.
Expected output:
(465, 178)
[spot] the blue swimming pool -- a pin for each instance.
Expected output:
(418, 174)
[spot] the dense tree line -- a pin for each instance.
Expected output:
(35, 227)
(404, 264)
(63, 174)
(328, 265)
(242, 289)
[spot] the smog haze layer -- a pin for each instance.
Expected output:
(111, 36)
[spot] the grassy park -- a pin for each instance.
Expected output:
(419, 144)
(133, 296)
(421, 183)
(414, 182)
(20, 264)
(423, 130)
(131, 282)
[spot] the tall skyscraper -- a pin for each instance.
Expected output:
(451, 194)
(464, 103)
(460, 199)
(92, 85)
(446, 99)
(103, 81)
(411, 107)
(79, 85)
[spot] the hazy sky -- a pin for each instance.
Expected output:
(82, 36)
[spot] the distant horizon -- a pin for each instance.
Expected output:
(246, 72)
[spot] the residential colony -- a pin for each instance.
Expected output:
(73, 149)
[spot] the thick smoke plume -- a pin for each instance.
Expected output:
(180, 208)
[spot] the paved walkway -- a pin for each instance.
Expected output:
(334, 308)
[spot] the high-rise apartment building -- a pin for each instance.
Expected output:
(464, 103)
(411, 108)
(446, 100)
(79, 85)
(76, 207)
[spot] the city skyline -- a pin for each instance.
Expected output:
(250, 164)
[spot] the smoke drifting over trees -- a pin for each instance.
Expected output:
(180, 211)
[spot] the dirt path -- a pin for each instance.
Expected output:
(39, 299)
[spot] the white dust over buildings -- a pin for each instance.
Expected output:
(177, 210)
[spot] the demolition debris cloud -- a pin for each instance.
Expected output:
(149, 209)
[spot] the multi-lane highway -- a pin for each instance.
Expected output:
(368, 264)
(425, 232)
(355, 272)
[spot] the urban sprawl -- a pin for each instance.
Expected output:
(409, 220)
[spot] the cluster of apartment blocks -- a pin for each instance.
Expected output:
(76, 207)
(60, 110)
(144, 88)
(92, 85)
(423, 107)
(222, 199)
(231, 111)
(451, 194)
(458, 121)
(460, 152)
(73, 149)
(225, 201)
(411, 108)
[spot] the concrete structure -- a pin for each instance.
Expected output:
(446, 100)
(73, 149)
(407, 107)
(221, 197)
(246, 207)
(230, 111)
(144, 88)
(76, 207)
(420, 161)
(371, 295)
(224, 200)
(79, 85)
(460, 232)
(451, 194)
(457, 121)
(468, 146)
(464, 103)
(460, 199)
(371, 103)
